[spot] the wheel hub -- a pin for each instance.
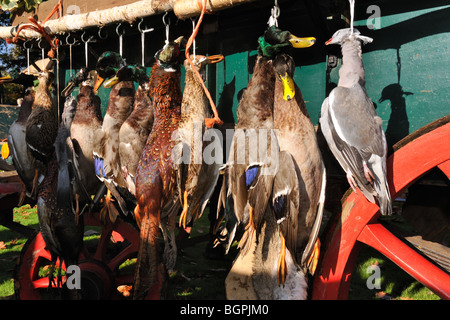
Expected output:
(97, 281)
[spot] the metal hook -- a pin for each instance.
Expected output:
(70, 43)
(143, 32)
(274, 14)
(86, 42)
(100, 33)
(164, 19)
(167, 24)
(120, 38)
(25, 45)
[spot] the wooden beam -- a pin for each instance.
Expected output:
(68, 23)
(184, 9)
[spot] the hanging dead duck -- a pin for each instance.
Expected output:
(351, 126)
(134, 131)
(106, 144)
(42, 125)
(87, 120)
(196, 176)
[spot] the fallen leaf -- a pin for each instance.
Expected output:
(383, 295)
(125, 290)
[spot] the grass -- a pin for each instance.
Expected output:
(197, 278)
(12, 245)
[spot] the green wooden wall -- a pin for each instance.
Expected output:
(407, 65)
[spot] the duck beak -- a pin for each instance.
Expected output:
(111, 82)
(5, 79)
(68, 89)
(98, 83)
(5, 151)
(297, 42)
(288, 87)
(328, 41)
(215, 58)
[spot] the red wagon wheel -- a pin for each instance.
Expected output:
(99, 262)
(358, 223)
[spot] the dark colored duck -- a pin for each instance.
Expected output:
(86, 121)
(156, 186)
(351, 126)
(42, 125)
(23, 161)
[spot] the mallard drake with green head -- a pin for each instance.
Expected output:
(156, 185)
(197, 176)
(120, 104)
(134, 131)
(249, 178)
(106, 143)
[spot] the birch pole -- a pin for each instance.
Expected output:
(69, 23)
(183, 9)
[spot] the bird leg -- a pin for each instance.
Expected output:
(367, 173)
(351, 181)
(77, 208)
(281, 266)
(109, 209)
(248, 234)
(35, 179)
(314, 258)
(183, 216)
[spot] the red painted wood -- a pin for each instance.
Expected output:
(403, 167)
(379, 238)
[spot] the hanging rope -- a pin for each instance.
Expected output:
(209, 122)
(39, 27)
(352, 14)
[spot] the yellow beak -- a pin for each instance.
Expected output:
(98, 83)
(288, 87)
(111, 82)
(5, 151)
(297, 42)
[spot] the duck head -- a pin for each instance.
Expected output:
(169, 57)
(342, 35)
(200, 62)
(107, 65)
(284, 66)
(75, 81)
(275, 39)
(46, 79)
(134, 72)
(271, 46)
